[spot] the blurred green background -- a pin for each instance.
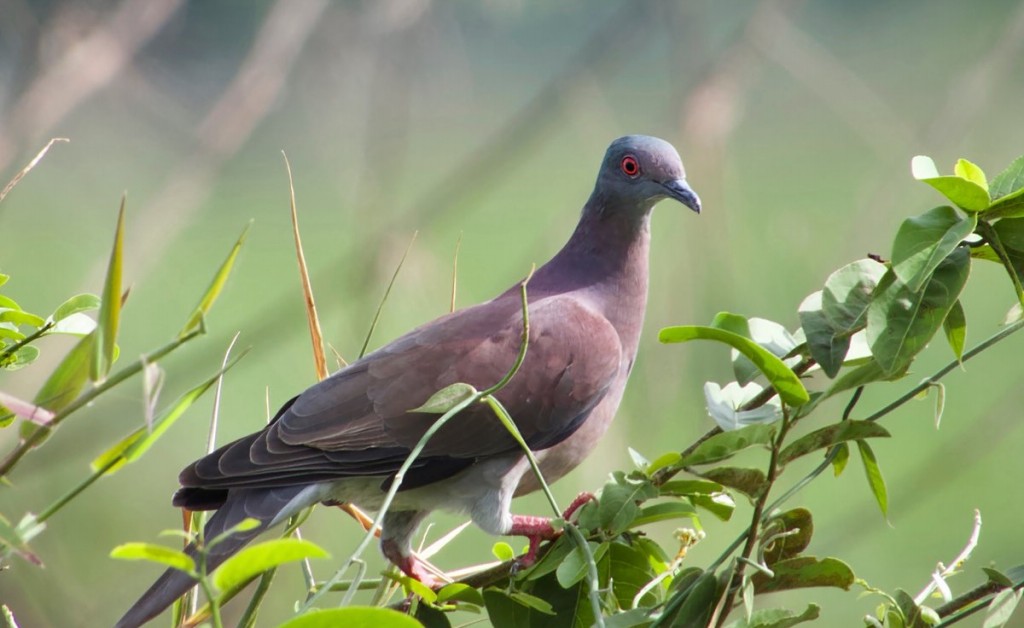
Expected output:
(797, 122)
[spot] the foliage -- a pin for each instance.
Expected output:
(865, 327)
(81, 378)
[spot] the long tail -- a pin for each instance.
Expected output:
(267, 505)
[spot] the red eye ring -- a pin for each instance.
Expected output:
(630, 166)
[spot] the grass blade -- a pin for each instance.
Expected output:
(383, 300)
(195, 320)
(110, 307)
(315, 335)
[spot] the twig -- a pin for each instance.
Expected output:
(942, 571)
(32, 164)
(756, 518)
(39, 434)
(387, 292)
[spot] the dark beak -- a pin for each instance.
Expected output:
(680, 190)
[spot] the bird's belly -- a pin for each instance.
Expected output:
(559, 460)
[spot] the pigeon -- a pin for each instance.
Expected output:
(344, 438)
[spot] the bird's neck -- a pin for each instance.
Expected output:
(606, 260)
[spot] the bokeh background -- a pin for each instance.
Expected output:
(486, 121)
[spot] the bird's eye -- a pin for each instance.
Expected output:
(630, 166)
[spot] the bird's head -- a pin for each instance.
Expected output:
(638, 171)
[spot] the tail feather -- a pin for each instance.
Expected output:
(266, 505)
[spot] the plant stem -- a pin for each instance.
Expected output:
(11, 350)
(248, 618)
(135, 367)
(964, 605)
(204, 582)
(60, 503)
(756, 519)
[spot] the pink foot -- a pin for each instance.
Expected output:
(410, 565)
(578, 503)
(537, 529)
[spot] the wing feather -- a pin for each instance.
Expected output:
(358, 422)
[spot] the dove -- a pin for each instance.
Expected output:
(344, 438)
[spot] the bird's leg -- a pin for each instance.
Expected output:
(396, 544)
(578, 503)
(409, 564)
(537, 529)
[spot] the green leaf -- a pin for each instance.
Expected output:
(699, 603)
(618, 504)
(458, 591)
(110, 308)
(841, 458)
(912, 615)
(800, 524)
(1001, 608)
(1008, 181)
(684, 488)
(131, 447)
(922, 242)
(255, 559)
(22, 358)
(902, 321)
(874, 475)
(720, 505)
(431, 617)
(503, 551)
(831, 435)
(216, 286)
(20, 317)
(66, 381)
(662, 461)
(10, 330)
(6, 416)
(827, 346)
(156, 554)
(4, 278)
(447, 398)
(1007, 235)
(847, 294)
(629, 570)
(574, 568)
(74, 305)
(503, 611)
(665, 511)
(965, 193)
(998, 577)
(633, 618)
(352, 617)
(863, 375)
(967, 170)
(1010, 206)
(780, 376)
(750, 482)
(724, 445)
(779, 617)
(802, 572)
(550, 561)
(16, 538)
(532, 602)
(955, 327)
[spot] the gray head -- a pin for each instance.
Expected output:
(638, 171)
